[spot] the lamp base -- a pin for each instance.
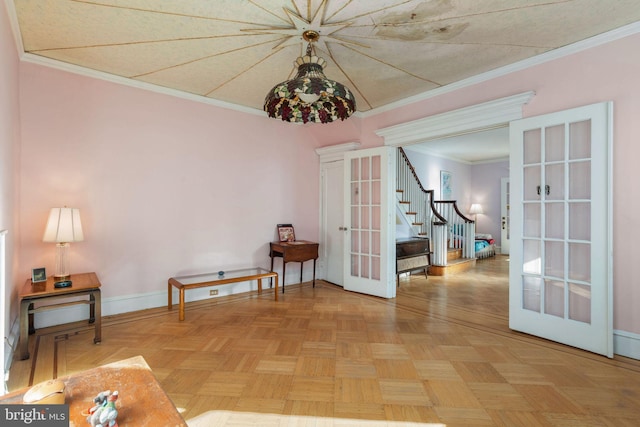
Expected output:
(62, 271)
(63, 284)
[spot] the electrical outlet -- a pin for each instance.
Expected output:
(213, 292)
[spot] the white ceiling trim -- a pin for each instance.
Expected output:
(468, 119)
(597, 40)
(426, 150)
(15, 26)
(87, 72)
(571, 49)
(75, 69)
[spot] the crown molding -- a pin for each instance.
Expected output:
(83, 71)
(75, 69)
(561, 52)
(15, 26)
(580, 46)
(419, 148)
(332, 153)
(481, 116)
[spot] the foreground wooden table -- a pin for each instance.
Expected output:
(141, 400)
(213, 279)
(44, 293)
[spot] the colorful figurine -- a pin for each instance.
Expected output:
(104, 413)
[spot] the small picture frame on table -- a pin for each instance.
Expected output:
(286, 233)
(38, 275)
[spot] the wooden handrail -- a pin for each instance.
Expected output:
(413, 171)
(441, 219)
(455, 207)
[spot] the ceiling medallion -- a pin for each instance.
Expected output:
(310, 96)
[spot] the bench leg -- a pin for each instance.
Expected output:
(181, 315)
(275, 291)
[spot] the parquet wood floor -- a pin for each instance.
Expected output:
(441, 353)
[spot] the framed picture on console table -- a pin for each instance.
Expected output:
(38, 275)
(286, 233)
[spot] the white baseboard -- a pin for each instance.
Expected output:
(626, 344)
(136, 302)
(10, 344)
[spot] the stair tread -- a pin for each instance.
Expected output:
(460, 261)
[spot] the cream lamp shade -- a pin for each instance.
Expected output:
(63, 226)
(476, 208)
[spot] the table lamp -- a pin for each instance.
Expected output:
(63, 227)
(475, 209)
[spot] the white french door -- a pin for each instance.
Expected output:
(560, 281)
(369, 246)
(333, 229)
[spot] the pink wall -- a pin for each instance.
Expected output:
(485, 189)
(603, 73)
(165, 186)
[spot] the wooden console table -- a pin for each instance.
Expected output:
(296, 251)
(141, 402)
(213, 279)
(45, 292)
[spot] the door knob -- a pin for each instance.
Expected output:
(342, 228)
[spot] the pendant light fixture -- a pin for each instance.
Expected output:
(310, 96)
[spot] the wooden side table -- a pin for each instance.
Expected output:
(45, 292)
(296, 251)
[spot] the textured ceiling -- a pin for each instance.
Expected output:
(236, 50)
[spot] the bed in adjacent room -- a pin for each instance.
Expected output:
(485, 246)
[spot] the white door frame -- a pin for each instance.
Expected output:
(3, 312)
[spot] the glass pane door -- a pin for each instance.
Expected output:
(367, 253)
(560, 274)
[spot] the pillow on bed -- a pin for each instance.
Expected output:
(484, 236)
(481, 244)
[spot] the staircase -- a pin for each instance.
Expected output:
(451, 234)
(455, 264)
